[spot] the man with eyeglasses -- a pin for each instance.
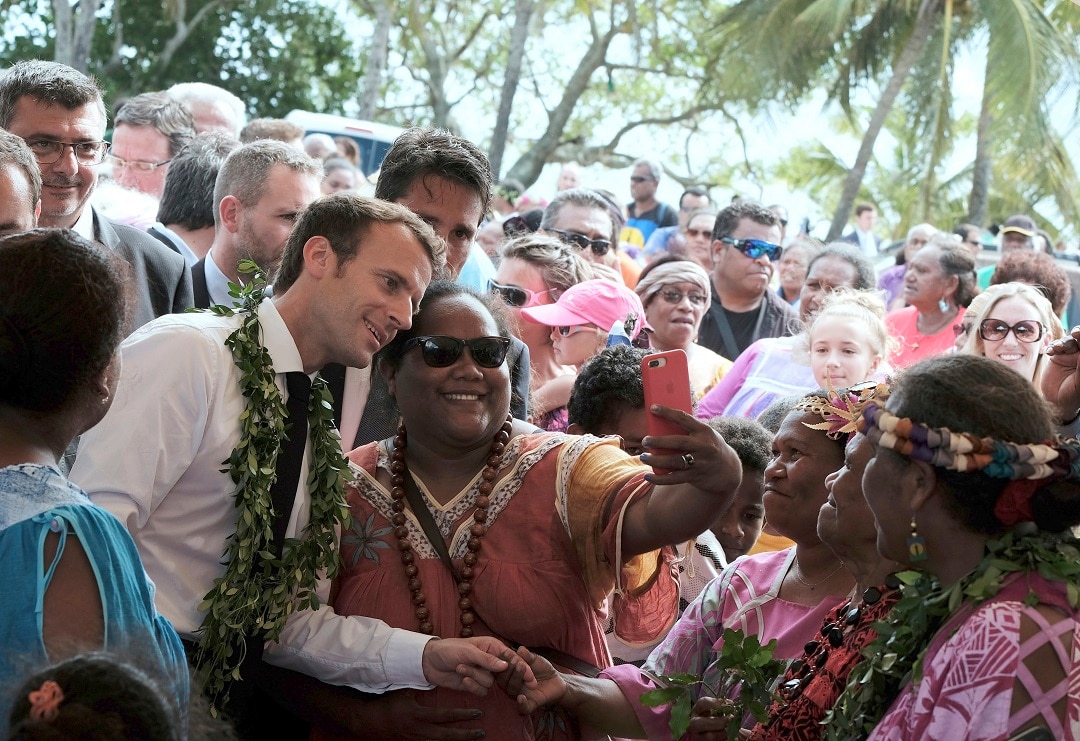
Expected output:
(672, 239)
(59, 113)
(646, 213)
(149, 130)
(580, 218)
(745, 247)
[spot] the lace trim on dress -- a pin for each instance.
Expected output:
(462, 504)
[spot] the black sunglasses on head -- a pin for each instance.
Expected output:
(599, 247)
(440, 351)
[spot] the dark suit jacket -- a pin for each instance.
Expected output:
(198, 284)
(380, 417)
(853, 238)
(162, 278)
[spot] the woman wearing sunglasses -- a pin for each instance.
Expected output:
(1014, 327)
(676, 293)
(534, 271)
(469, 523)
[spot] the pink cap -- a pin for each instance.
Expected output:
(599, 302)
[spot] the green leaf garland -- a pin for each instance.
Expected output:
(259, 591)
(895, 658)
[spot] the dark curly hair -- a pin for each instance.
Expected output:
(749, 439)
(104, 700)
(62, 316)
(608, 384)
(1037, 269)
(970, 393)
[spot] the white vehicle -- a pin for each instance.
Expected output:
(372, 138)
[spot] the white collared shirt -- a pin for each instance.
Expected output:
(84, 227)
(217, 283)
(155, 461)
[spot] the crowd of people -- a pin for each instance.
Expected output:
(420, 413)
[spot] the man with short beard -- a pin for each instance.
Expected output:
(59, 113)
(261, 189)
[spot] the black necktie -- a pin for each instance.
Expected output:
(291, 456)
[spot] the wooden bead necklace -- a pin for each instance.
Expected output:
(398, 472)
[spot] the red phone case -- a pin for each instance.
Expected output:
(666, 380)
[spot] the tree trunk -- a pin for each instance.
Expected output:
(376, 61)
(978, 203)
(63, 51)
(84, 34)
(913, 49)
(528, 167)
(518, 36)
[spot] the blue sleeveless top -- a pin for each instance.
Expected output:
(34, 501)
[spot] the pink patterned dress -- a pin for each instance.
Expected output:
(744, 597)
(981, 657)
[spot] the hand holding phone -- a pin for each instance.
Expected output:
(666, 379)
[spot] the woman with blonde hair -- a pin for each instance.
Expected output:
(1014, 326)
(536, 270)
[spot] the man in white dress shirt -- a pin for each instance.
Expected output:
(352, 275)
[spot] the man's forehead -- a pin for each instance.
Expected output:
(32, 113)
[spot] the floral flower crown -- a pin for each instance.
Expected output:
(841, 408)
(1027, 466)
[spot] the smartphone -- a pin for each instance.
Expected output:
(666, 380)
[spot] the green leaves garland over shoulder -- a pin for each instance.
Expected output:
(260, 590)
(895, 658)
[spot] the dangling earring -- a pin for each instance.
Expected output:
(105, 399)
(943, 305)
(916, 544)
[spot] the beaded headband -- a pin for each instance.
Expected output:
(841, 408)
(1027, 467)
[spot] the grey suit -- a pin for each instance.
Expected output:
(162, 278)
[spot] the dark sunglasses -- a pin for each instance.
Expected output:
(1025, 331)
(440, 351)
(755, 248)
(515, 226)
(515, 296)
(599, 247)
(639, 179)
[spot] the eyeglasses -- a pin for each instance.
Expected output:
(755, 248)
(568, 331)
(638, 179)
(959, 329)
(440, 351)
(1025, 331)
(515, 296)
(599, 247)
(699, 232)
(49, 151)
(119, 163)
(676, 297)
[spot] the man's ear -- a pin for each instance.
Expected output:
(229, 212)
(319, 257)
